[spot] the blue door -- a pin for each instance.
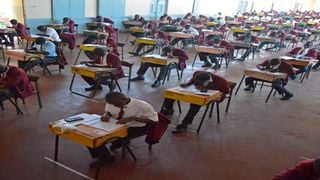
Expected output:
(113, 9)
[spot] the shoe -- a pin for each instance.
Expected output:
(112, 86)
(287, 96)
(103, 162)
(250, 88)
(138, 78)
(132, 42)
(206, 65)
(117, 144)
(93, 88)
(215, 66)
(315, 68)
(131, 53)
(167, 111)
(156, 84)
(239, 59)
(181, 128)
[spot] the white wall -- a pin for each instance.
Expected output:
(91, 7)
(141, 7)
(37, 9)
(212, 7)
(180, 7)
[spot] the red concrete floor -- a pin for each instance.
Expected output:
(254, 140)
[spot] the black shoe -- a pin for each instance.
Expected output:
(206, 65)
(217, 66)
(167, 111)
(287, 96)
(112, 86)
(250, 88)
(93, 88)
(181, 128)
(137, 79)
(131, 53)
(103, 162)
(156, 84)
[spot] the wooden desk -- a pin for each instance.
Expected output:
(90, 132)
(190, 95)
(264, 76)
(250, 21)
(92, 72)
(213, 33)
(268, 39)
(96, 24)
(88, 47)
(148, 41)
(94, 33)
(21, 55)
(210, 50)
(159, 60)
(181, 35)
(233, 23)
(137, 30)
(131, 23)
(58, 26)
(34, 37)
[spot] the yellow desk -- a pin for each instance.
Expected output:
(210, 50)
(21, 55)
(237, 30)
(92, 72)
(212, 24)
(191, 95)
(90, 132)
(181, 35)
(148, 41)
(268, 39)
(264, 76)
(88, 47)
(159, 60)
(137, 30)
(94, 33)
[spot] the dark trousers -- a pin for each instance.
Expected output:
(278, 85)
(104, 80)
(133, 132)
(246, 53)
(192, 112)
(140, 46)
(27, 66)
(317, 64)
(213, 58)
(185, 41)
(163, 69)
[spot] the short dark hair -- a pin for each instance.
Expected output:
(202, 77)
(99, 51)
(40, 40)
(114, 95)
(13, 21)
(167, 49)
(42, 28)
(3, 68)
(275, 61)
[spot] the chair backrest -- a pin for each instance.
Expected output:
(158, 129)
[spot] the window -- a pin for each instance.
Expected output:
(180, 7)
(141, 7)
(90, 8)
(212, 7)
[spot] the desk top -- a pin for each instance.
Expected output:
(233, 23)
(181, 35)
(7, 30)
(93, 72)
(267, 39)
(34, 36)
(90, 131)
(132, 23)
(210, 32)
(264, 75)
(297, 62)
(20, 54)
(192, 95)
(240, 44)
(98, 23)
(91, 47)
(145, 40)
(157, 59)
(94, 32)
(210, 50)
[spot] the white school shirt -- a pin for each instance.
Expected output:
(191, 30)
(135, 108)
(53, 34)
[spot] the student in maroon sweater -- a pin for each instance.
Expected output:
(305, 170)
(201, 80)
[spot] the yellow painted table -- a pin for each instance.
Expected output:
(21, 55)
(194, 96)
(209, 50)
(237, 30)
(212, 24)
(95, 73)
(148, 41)
(88, 47)
(89, 132)
(137, 30)
(264, 76)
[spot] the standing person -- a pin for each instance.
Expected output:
(14, 82)
(202, 80)
(136, 114)
(274, 65)
(169, 52)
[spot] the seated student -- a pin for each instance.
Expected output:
(155, 34)
(247, 38)
(305, 170)
(21, 30)
(187, 16)
(136, 114)
(50, 32)
(202, 80)
(274, 65)
(279, 35)
(179, 22)
(136, 17)
(112, 32)
(104, 19)
(308, 53)
(45, 47)
(112, 61)
(69, 22)
(14, 82)
(67, 35)
(187, 29)
(167, 51)
(164, 20)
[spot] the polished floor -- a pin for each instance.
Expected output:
(254, 141)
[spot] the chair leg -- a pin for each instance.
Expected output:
(228, 104)
(218, 113)
(150, 147)
(38, 94)
(211, 109)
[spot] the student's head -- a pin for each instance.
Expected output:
(3, 69)
(188, 26)
(316, 165)
(65, 20)
(202, 78)
(167, 50)
(116, 98)
(136, 16)
(99, 18)
(40, 41)
(307, 44)
(179, 19)
(42, 28)
(100, 51)
(13, 22)
(274, 63)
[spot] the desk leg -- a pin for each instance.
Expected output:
(75, 62)
(195, 58)
(179, 106)
(239, 85)
(56, 148)
(269, 95)
(204, 115)
(8, 61)
(12, 102)
(83, 95)
(3, 56)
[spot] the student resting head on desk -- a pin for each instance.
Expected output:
(112, 61)
(14, 82)
(274, 65)
(305, 170)
(50, 32)
(202, 80)
(20, 28)
(137, 114)
(169, 52)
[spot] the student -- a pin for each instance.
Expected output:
(247, 38)
(67, 35)
(136, 114)
(189, 30)
(278, 35)
(167, 51)
(305, 170)
(104, 19)
(14, 82)
(70, 23)
(50, 32)
(20, 29)
(45, 47)
(274, 65)
(202, 80)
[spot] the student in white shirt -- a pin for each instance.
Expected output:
(189, 30)
(50, 32)
(135, 113)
